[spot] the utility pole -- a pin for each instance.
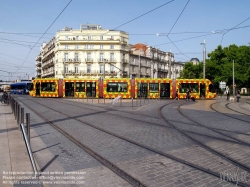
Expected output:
(233, 81)
(204, 59)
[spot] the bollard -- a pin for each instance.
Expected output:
(18, 116)
(22, 115)
(28, 125)
(15, 110)
(132, 102)
(121, 102)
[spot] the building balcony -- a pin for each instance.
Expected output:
(38, 63)
(89, 60)
(112, 60)
(124, 61)
(71, 60)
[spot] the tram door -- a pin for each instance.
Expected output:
(69, 89)
(142, 89)
(38, 89)
(165, 90)
(91, 89)
(202, 90)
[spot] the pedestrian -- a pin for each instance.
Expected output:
(176, 95)
(188, 95)
(227, 92)
(238, 95)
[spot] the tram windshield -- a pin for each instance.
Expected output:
(211, 88)
(193, 87)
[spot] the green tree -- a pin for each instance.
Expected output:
(219, 66)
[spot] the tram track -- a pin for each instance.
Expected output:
(233, 161)
(211, 106)
(227, 105)
(121, 173)
(216, 131)
(200, 168)
(144, 121)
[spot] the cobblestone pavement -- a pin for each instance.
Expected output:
(56, 153)
(152, 169)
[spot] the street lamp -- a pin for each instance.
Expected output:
(204, 58)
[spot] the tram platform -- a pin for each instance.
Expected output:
(13, 153)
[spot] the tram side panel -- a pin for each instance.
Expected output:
(153, 88)
(199, 88)
(114, 87)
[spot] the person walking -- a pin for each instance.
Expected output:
(188, 95)
(227, 92)
(176, 95)
(238, 95)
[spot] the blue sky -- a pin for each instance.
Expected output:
(199, 19)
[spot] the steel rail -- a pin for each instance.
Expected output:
(208, 171)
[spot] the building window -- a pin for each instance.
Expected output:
(88, 68)
(66, 38)
(111, 68)
(123, 47)
(133, 68)
(101, 57)
(65, 56)
(112, 57)
(66, 69)
(89, 57)
(76, 57)
(91, 46)
(111, 46)
(85, 46)
(101, 37)
(101, 46)
(101, 68)
(76, 46)
(77, 37)
(112, 37)
(89, 37)
(66, 46)
(76, 68)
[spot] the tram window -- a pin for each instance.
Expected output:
(80, 86)
(211, 88)
(117, 87)
(194, 87)
(154, 87)
(48, 86)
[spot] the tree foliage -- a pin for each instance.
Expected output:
(219, 66)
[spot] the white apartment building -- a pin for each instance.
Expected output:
(154, 63)
(90, 52)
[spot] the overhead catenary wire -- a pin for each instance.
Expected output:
(232, 29)
(173, 27)
(45, 33)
